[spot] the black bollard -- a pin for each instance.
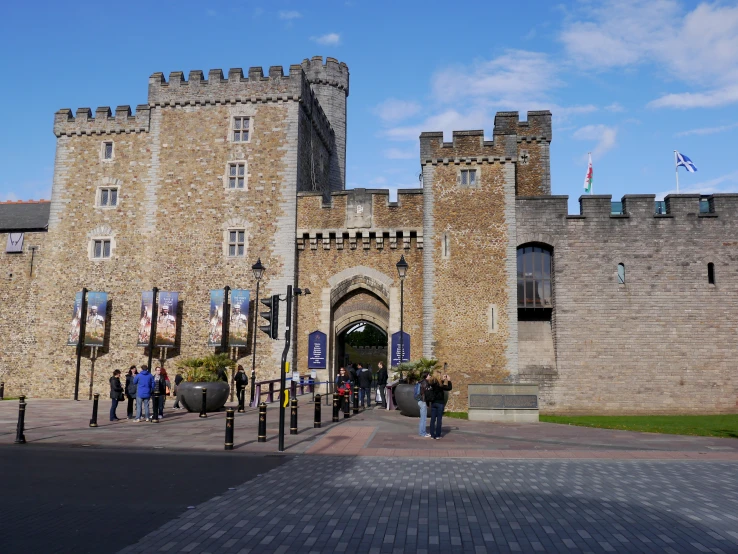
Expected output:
(346, 399)
(93, 421)
(335, 408)
(203, 413)
(156, 400)
(316, 419)
(20, 437)
(2, 391)
(262, 422)
(230, 421)
(293, 417)
(356, 400)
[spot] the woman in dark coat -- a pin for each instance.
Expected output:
(116, 394)
(343, 387)
(130, 390)
(382, 383)
(437, 403)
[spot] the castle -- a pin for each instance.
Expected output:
(628, 312)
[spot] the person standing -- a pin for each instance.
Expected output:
(130, 390)
(241, 381)
(435, 394)
(144, 382)
(160, 384)
(382, 382)
(419, 392)
(116, 394)
(343, 387)
(177, 380)
(364, 378)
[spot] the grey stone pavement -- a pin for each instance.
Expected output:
(389, 505)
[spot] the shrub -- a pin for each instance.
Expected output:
(411, 372)
(205, 370)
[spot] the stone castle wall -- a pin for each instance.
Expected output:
(664, 341)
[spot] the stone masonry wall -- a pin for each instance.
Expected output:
(664, 341)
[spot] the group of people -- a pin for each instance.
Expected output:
(430, 392)
(140, 386)
(358, 376)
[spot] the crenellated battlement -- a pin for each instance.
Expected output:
(332, 73)
(104, 122)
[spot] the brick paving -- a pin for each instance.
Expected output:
(382, 505)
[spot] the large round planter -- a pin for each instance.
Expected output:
(190, 395)
(405, 400)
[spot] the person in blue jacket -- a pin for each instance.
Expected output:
(144, 382)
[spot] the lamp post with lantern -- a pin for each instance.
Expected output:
(402, 272)
(258, 270)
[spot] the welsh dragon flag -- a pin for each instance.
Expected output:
(588, 178)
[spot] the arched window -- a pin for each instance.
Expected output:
(711, 273)
(621, 273)
(534, 277)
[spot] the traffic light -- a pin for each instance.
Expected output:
(272, 316)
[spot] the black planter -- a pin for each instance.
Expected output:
(190, 395)
(405, 400)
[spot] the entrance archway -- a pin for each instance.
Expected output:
(361, 342)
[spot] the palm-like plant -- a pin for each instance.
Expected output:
(205, 370)
(411, 372)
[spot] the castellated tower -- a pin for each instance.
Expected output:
(330, 83)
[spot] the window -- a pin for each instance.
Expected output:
(107, 150)
(236, 175)
(101, 249)
(621, 274)
(711, 273)
(108, 197)
(240, 129)
(492, 318)
(236, 243)
(534, 277)
(445, 250)
(468, 177)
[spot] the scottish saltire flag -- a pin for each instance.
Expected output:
(588, 177)
(685, 162)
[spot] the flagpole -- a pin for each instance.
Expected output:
(676, 170)
(591, 186)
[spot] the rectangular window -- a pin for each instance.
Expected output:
(236, 243)
(240, 129)
(469, 177)
(236, 175)
(108, 150)
(101, 249)
(109, 197)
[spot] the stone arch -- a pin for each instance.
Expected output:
(541, 239)
(358, 277)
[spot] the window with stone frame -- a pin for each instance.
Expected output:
(236, 243)
(236, 176)
(107, 197)
(468, 177)
(241, 128)
(534, 278)
(101, 249)
(107, 150)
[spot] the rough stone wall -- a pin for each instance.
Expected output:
(468, 254)
(19, 298)
(663, 342)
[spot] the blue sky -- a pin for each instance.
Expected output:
(628, 80)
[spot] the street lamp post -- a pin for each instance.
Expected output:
(402, 271)
(258, 270)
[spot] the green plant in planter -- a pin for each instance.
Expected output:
(205, 370)
(411, 372)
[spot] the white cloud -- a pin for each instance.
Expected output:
(330, 39)
(722, 184)
(447, 121)
(291, 14)
(397, 154)
(604, 135)
(615, 107)
(707, 130)
(392, 110)
(699, 48)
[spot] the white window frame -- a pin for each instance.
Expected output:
(112, 151)
(99, 196)
(227, 176)
(464, 172)
(232, 128)
(91, 248)
(237, 243)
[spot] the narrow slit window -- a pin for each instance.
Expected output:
(621, 274)
(445, 246)
(711, 273)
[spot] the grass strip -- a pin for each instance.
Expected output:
(725, 426)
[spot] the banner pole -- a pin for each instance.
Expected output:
(676, 170)
(80, 340)
(154, 317)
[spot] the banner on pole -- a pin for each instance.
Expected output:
(74, 328)
(166, 321)
(396, 348)
(144, 324)
(97, 309)
(215, 325)
(238, 328)
(316, 350)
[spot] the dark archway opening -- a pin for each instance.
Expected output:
(361, 342)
